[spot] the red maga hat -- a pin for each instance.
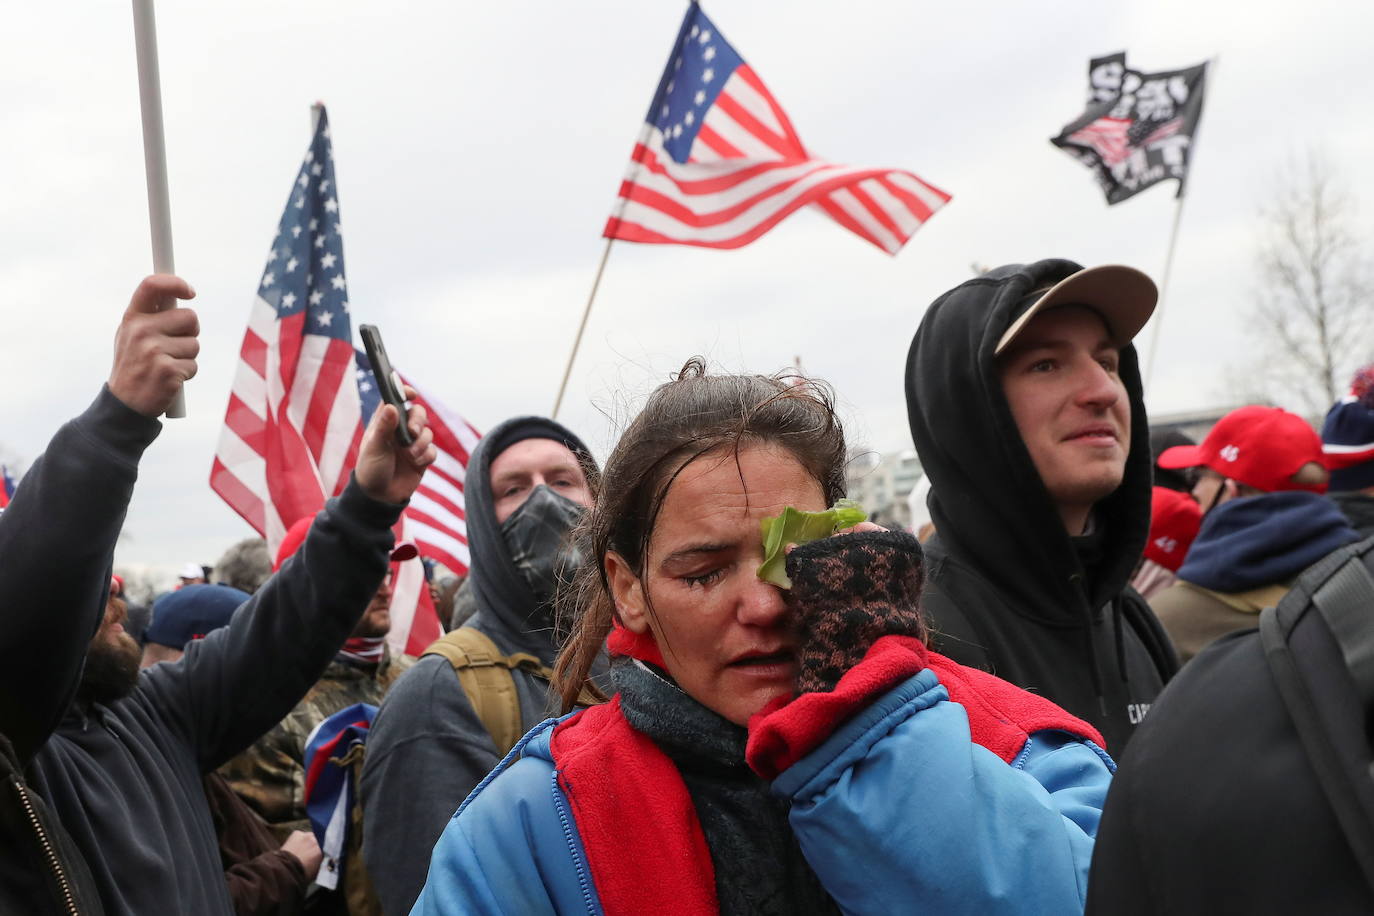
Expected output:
(1261, 447)
(1174, 521)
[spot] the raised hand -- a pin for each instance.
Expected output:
(155, 347)
(847, 591)
(386, 470)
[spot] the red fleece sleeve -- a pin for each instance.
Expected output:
(785, 730)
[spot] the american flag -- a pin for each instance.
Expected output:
(292, 428)
(718, 163)
(296, 414)
(7, 485)
(435, 519)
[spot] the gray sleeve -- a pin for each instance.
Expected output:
(241, 680)
(426, 751)
(57, 541)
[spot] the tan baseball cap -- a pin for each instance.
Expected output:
(1123, 296)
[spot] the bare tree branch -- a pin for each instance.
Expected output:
(1313, 312)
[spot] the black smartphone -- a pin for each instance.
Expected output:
(388, 382)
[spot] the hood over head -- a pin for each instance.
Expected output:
(504, 599)
(990, 508)
(1254, 541)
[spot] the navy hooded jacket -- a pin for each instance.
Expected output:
(1264, 540)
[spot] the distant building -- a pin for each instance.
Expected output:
(881, 483)
(1195, 424)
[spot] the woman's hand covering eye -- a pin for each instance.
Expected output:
(847, 591)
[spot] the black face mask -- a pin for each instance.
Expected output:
(537, 536)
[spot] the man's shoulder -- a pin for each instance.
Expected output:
(1184, 599)
(426, 698)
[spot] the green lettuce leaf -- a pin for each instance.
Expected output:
(796, 527)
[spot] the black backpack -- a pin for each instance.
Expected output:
(1332, 706)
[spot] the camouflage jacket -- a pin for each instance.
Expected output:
(270, 775)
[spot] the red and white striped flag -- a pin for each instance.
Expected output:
(435, 518)
(298, 407)
(718, 163)
(291, 431)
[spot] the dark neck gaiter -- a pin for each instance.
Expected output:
(759, 867)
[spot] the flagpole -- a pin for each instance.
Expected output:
(1173, 240)
(577, 341)
(1163, 290)
(155, 156)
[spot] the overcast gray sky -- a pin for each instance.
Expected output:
(478, 148)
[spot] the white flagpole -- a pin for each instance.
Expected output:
(577, 341)
(155, 155)
(600, 269)
(1173, 240)
(1163, 290)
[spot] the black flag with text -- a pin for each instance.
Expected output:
(1138, 128)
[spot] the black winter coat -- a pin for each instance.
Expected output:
(41, 870)
(1217, 809)
(124, 779)
(57, 539)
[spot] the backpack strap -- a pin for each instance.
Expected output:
(1346, 602)
(1326, 759)
(485, 676)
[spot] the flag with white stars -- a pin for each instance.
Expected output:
(434, 520)
(293, 425)
(718, 163)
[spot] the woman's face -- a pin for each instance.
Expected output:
(723, 632)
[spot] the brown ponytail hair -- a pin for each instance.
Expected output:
(685, 418)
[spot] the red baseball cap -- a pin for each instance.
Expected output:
(1261, 447)
(295, 537)
(1174, 521)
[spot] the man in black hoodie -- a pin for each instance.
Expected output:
(428, 748)
(57, 540)
(117, 753)
(1025, 405)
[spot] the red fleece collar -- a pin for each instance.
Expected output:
(643, 841)
(1001, 716)
(623, 641)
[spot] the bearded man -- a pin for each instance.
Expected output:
(118, 754)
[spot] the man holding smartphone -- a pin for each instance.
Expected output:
(117, 754)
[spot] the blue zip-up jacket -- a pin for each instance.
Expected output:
(897, 810)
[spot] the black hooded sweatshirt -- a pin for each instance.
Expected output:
(427, 748)
(1009, 591)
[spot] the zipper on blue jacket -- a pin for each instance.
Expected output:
(572, 847)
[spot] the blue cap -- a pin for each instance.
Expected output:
(191, 612)
(1348, 435)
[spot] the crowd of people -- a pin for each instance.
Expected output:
(1114, 670)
